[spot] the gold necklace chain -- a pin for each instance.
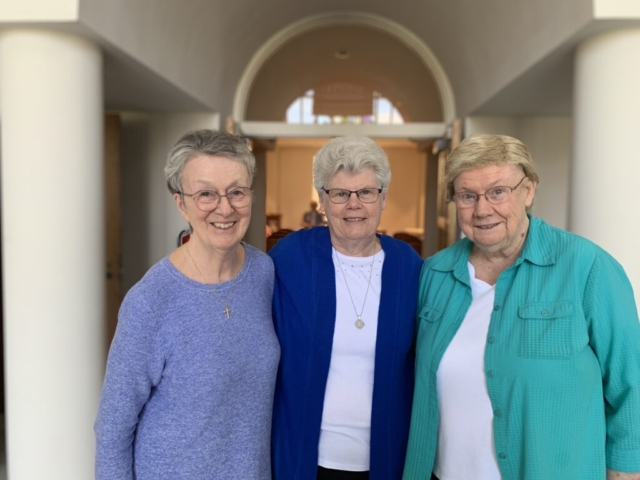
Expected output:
(359, 323)
(226, 301)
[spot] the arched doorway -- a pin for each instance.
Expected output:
(392, 29)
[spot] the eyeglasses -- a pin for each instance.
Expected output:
(365, 195)
(494, 195)
(208, 200)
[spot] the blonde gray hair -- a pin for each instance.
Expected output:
(481, 150)
(353, 155)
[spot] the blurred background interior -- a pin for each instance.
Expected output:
(93, 93)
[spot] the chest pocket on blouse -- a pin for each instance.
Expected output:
(548, 330)
(430, 314)
(427, 327)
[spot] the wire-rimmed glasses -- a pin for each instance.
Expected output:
(342, 195)
(208, 200)
(494, 195)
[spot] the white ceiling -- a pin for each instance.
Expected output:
(501, 57)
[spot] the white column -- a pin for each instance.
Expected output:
(606, 166)
(51, 115)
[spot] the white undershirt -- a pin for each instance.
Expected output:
(346, 417)
(465, 434)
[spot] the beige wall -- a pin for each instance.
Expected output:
(616, 9)
(289, 180)
(290, 184)
(405, 201)
(39, 10)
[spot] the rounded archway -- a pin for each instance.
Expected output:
(327, 31)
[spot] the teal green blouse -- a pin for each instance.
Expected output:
(562, 359)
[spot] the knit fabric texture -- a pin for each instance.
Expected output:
(188, 394)
(562, 359)
(304, 308)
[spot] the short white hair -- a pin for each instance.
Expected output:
(353, 155)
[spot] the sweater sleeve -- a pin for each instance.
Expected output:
(134, 367)
(614, 332)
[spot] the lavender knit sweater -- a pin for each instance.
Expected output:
(188, 394)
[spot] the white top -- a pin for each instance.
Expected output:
(465, 433)
(346, 417)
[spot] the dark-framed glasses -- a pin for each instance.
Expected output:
(208, 200)
(341, 195)
(494, 195)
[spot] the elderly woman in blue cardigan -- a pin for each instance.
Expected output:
(344, 309)
(528, 346)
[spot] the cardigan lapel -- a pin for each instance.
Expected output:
(385, 358)
(322, 316)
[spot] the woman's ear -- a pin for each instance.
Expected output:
(179, 199)
(321, 205)
(531, 193)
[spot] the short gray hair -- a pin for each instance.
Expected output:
(483, 149)
(206, 142)
(353, 155)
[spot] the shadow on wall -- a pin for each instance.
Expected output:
(135, 199)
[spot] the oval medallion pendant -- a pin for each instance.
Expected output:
(359, 323)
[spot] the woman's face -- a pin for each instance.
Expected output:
(495, 228)
(353, 222)
(223, 227)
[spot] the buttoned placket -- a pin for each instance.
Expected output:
(463, 289)
(493, 374)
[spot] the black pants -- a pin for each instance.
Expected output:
(328, 474)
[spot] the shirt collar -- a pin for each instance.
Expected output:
(538, 249)
(454, 259)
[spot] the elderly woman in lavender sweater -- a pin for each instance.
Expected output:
(191, 372)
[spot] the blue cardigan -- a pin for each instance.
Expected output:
(304, 311)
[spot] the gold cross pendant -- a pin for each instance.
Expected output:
(227, 311)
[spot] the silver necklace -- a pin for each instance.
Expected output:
(359, 323)
(225, 302)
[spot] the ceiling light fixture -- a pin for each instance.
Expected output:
(342, 54)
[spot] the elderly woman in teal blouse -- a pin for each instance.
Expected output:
(528, 346)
